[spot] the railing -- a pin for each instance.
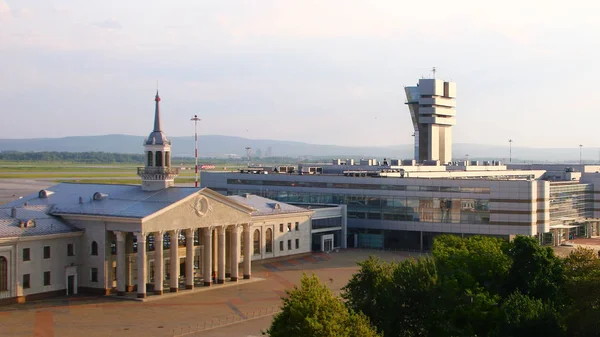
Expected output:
(157, 170)
(193, 329)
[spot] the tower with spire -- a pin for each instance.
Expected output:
(157, 172)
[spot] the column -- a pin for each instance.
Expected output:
(129, 258)
(141, 264)
(189, 258)
(227, 253)
(215, 252)
(121, 262)
(174, 280)
(221, 257)
(158, 263)
(235, 252)
(247, 252)
(207, 256)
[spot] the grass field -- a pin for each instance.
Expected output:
(132, 181)
(87, 173)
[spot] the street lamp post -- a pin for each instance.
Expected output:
(195, 119)
(510, 150)
(580, 158)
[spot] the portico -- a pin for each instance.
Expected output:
(186, 230)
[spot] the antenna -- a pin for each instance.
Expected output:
(433, 70)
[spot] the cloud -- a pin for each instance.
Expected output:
(108, 24)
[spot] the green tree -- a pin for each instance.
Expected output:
(524, 316)
(535, 271)
(582, 270)
(367, 290)
(313, 311)
(472, 263)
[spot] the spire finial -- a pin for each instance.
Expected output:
(157, 113)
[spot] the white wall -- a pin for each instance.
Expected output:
(37, 265)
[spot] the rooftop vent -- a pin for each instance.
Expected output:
(26, 204)
(275, 206)
(100, 196)
(13, 212)
(27, 224)
(80, 200)
(44, 194)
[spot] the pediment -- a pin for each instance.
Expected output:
(202, 209)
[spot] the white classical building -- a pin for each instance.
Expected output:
(152, 238)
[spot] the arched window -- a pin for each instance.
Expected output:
(150, 158)
(269, 241)
(256, 242)
(167, 158)
(3, 274)
(94, 248)
(159, 159)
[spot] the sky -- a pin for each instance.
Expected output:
(322, 72)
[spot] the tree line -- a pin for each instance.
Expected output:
(477, 286)
(76, 157)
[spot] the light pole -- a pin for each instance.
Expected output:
(196, 120)
(510, 150)
(580, 158)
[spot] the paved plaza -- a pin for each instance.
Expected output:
(240, 310)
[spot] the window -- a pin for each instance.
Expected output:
(281, 246)
(114, 274)
(289, 226)
(280, 228)
(150, 155)
(94, 248)
(289, 244)
(46, 252)
(3, 274)
(94, 275)
(26, 281)
(26, 254)
(297, 243)
(297, 226)
(113, 248)
(159, 159)
(269, 241)
(46, 278)
(256, 242)
(70, 250)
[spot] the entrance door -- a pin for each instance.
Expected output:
(70, 284)
(328, 245)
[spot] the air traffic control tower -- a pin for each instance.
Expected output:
(432, 105)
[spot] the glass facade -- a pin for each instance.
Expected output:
(379, 187)
(316, 239)
(398, 208)
(326, 223)
(570, 202)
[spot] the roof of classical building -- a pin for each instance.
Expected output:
(128, 201)
(31, 220)
(266, 206)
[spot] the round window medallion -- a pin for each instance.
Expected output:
(201, 206)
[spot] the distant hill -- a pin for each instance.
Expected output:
(221, 146)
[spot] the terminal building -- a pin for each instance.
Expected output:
(404, 204)
(133, 240)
